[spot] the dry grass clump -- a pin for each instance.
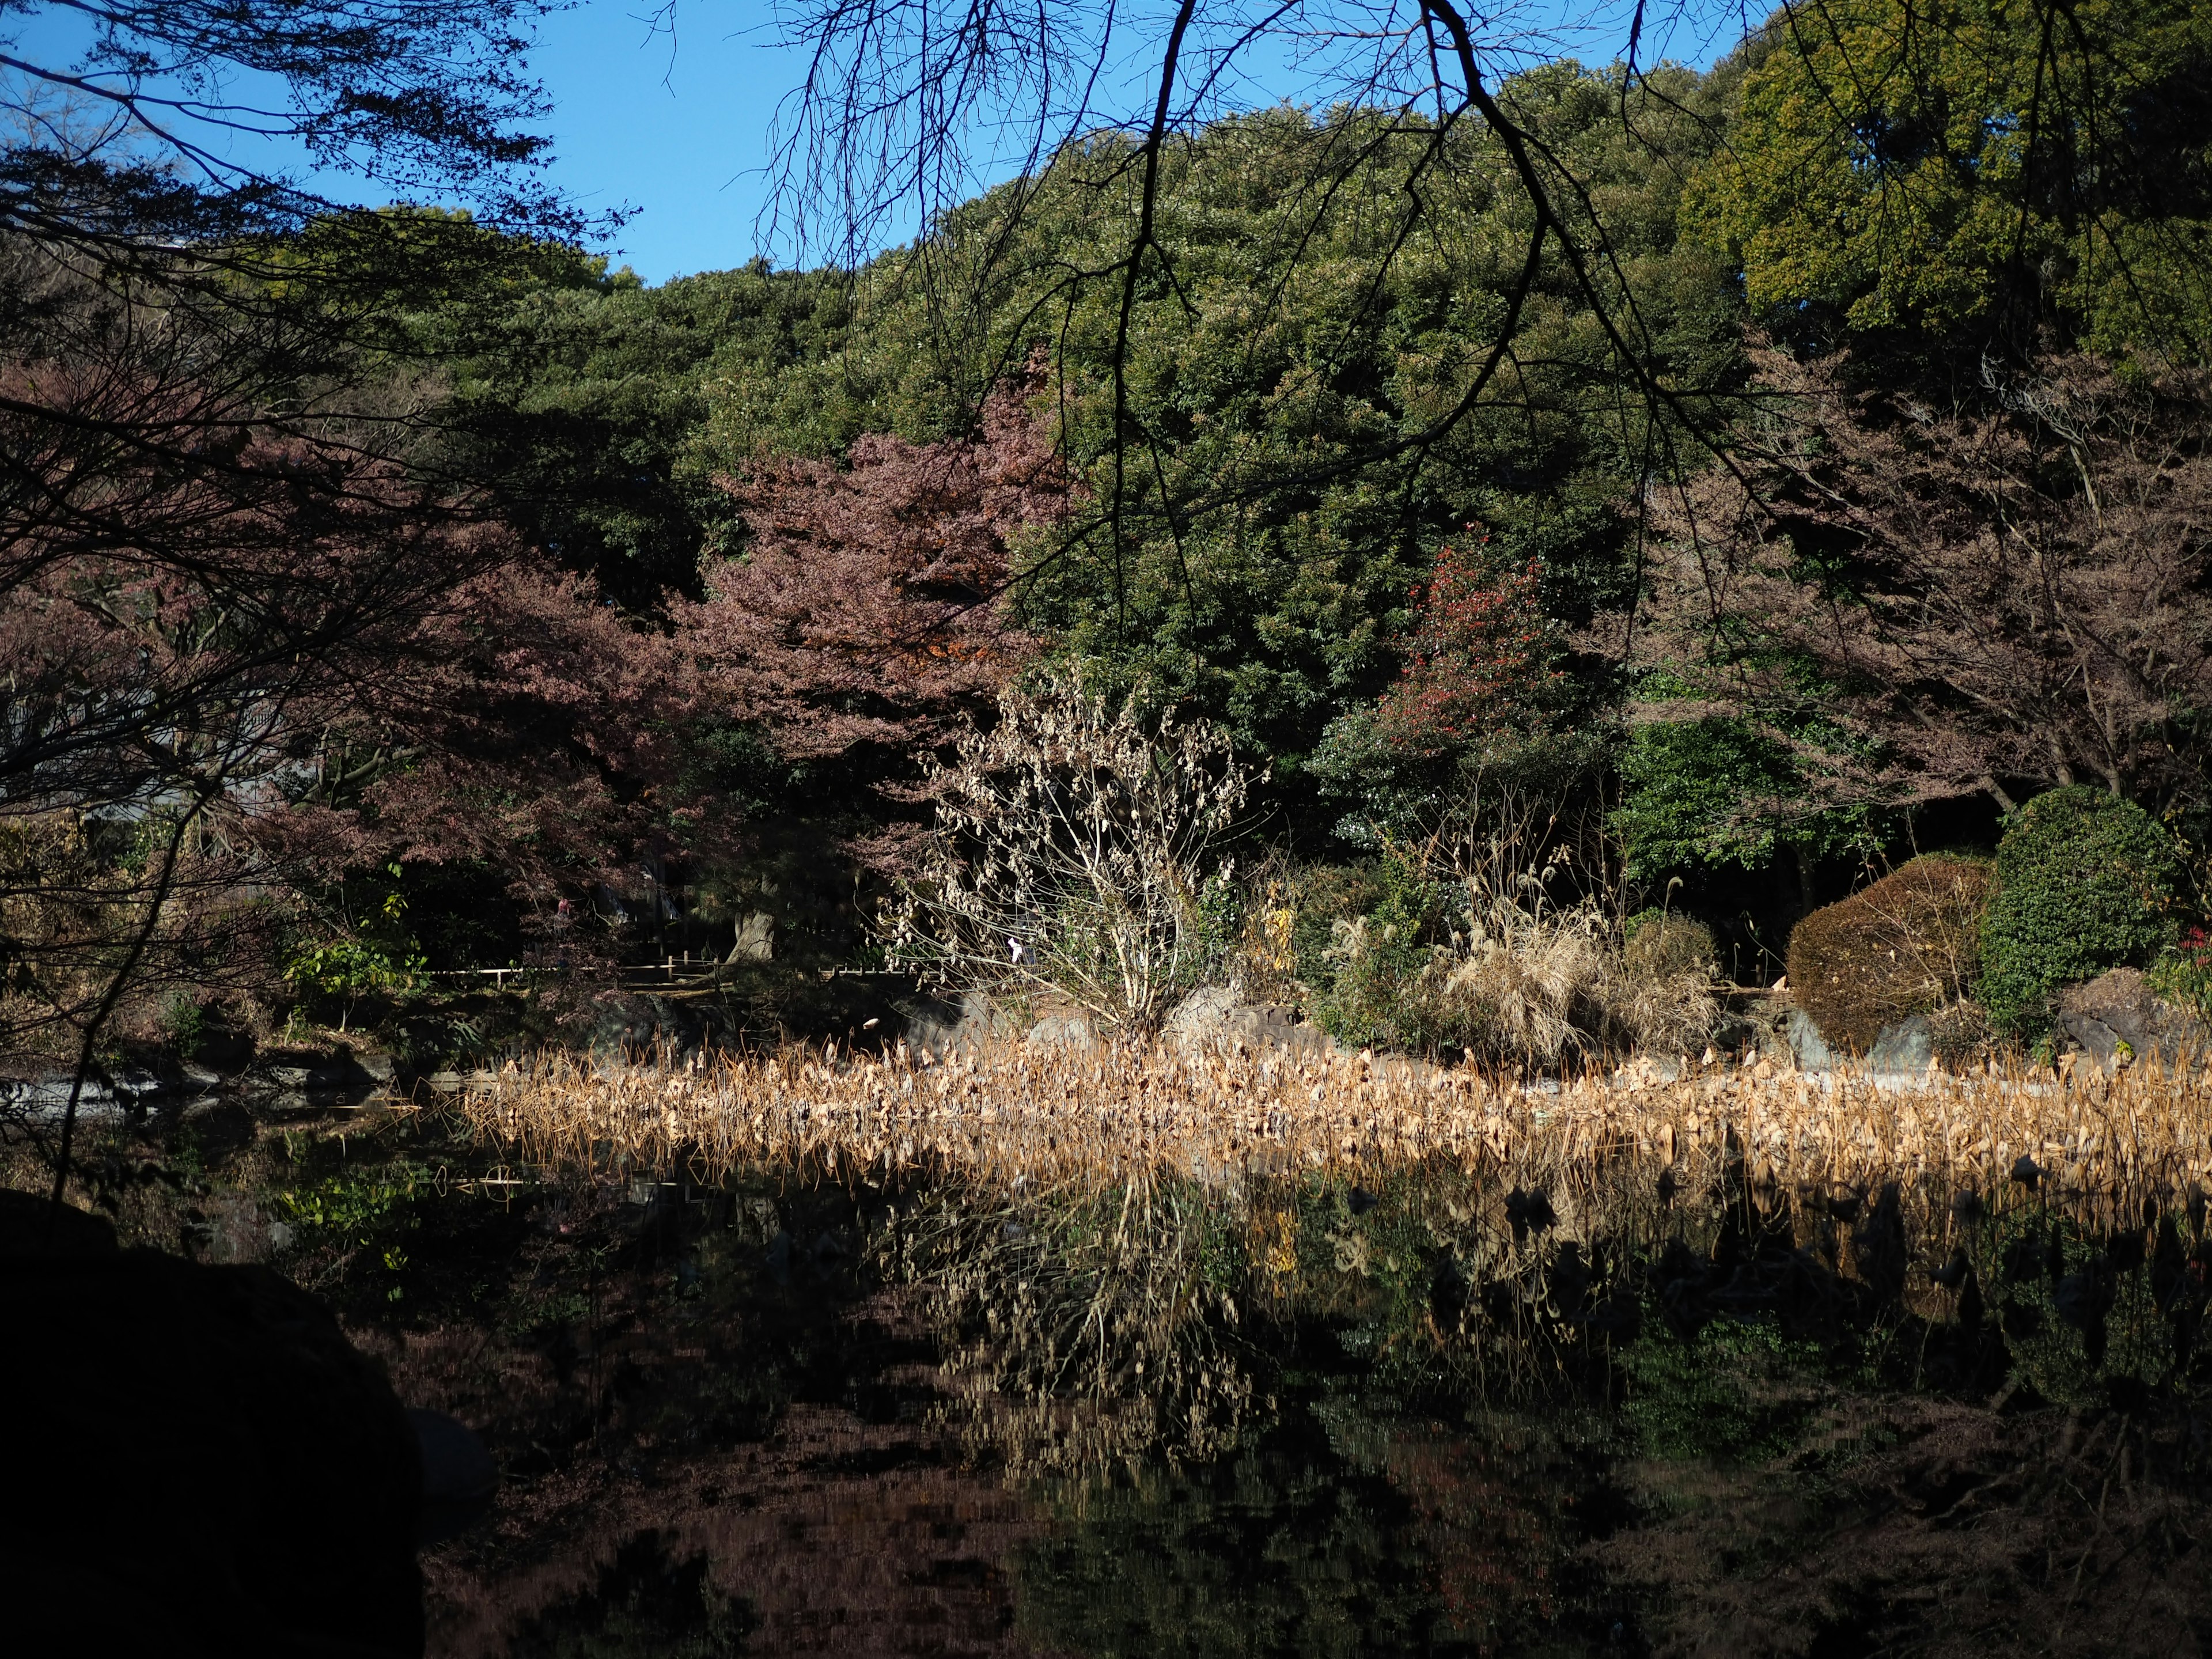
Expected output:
(1908, 945)
(1525, 982)
(1099, 1117)
(1528, 982)
(1664, 996)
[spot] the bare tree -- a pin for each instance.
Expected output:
(1076, 852)
(227, 610)
(241, 653)
(2004, 596)
(131, 125)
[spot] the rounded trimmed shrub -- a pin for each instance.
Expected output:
(2085, 882)
(1658, 945)
(1908, 945)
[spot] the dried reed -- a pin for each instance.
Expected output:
(1094, 1117)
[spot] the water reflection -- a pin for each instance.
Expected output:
(1338, 1531)
(1648, 1410)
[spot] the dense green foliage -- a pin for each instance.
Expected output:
(2085, 882)
(583, 399)
(1720, 791)
(1978, 168)
(1372, 961)
(1286, 371)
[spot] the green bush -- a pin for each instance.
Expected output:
(1708, 793)
(1376, 961)
(2184, 975)
(1322, 896)
(2085, 882)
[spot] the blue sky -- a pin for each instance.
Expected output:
(676, 130)
(676, 127)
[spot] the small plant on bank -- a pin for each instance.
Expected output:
(2085, 882)
(1495, 965)
(378, 959)
(2184, 975)
(1375, 962)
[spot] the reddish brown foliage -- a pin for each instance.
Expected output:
(1905, 946)
(866, 609)
(260, 654)
(1480, 656)
(2004, 596)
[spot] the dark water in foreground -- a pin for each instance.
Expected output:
(770, 1417)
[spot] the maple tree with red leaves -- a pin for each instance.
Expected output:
(866, 614)
(1479, 661)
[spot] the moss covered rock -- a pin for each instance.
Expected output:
(1908, 945)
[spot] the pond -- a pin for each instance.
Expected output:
(779, 1415)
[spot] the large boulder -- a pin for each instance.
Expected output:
(1807, 1046)
(1213, 1017)
(1904, 1049)
(2117, 1017)
(1905, 946)
(937, 1026)
(201, 1463)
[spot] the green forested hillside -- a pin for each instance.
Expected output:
(1767, 471)
(1292, 369)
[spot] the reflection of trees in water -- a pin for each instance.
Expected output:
(1449, 1412)
(1342, 1531)
(1081, 1327)
(646, 1603)
(1264, 1552)
(1478, 1419)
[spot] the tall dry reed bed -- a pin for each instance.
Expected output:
(1096, 1234)
(1055, 1116)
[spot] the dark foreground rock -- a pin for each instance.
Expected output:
(199, 1461)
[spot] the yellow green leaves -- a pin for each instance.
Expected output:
(1901, 167)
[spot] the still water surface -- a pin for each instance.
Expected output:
(781, 1418)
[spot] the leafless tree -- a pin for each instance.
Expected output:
(226, 607)
(1075, 854)
(2002, 596)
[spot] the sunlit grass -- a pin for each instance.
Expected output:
(1057, 1116)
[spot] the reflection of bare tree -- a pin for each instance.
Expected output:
(1082, 1328)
